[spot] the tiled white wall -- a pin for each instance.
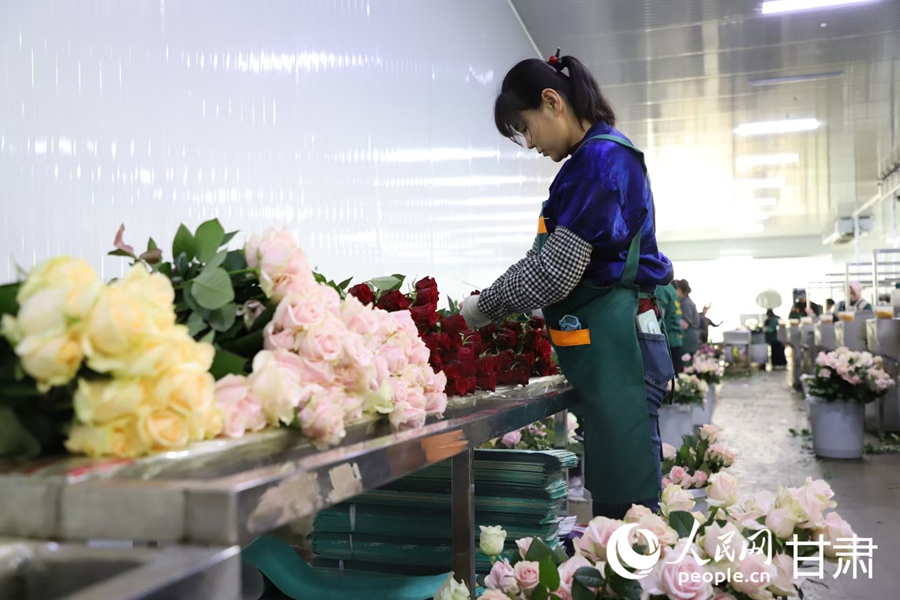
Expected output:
(363, 125)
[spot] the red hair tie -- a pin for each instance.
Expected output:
(555, 61)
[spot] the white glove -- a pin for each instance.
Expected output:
(475, 319)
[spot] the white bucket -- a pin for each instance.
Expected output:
(700, 499)
(702, 413)
(837, 427)
(675, 421)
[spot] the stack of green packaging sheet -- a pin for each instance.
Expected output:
(405, 527)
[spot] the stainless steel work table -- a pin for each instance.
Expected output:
(227, 492)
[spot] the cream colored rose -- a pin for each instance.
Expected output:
(205, 425)
(129, 319)
(164, 429)
(835, 528)
(722, 490)
(674, 498)
(74, 277)
(161, 352)
(186, 389)
(118, 438)
(102, 401)
(660, 528)
(51, 360)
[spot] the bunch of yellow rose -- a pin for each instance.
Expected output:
(153, 390)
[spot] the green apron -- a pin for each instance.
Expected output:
(603, 363)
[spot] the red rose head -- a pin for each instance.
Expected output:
(425, 283)
(454, 326)
(427, 296)
(393, 301)
(437, 341)
(363, 293)
(451, 371)
(506, 359)
(488, 331)
(544, 349)
(425, 317)
(538, 323)
(457, 387)
(506, 338)
(487, 382)
(513, 326)
(472, 384)
(465, 355)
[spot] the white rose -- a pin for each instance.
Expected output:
(452, 590)
(492, 540)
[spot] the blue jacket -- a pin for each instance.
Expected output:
(603, 195)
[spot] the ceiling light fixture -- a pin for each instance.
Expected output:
(796, 78)
(778, 127)
(774, 7)
(765, 201)
(762, 184)
(767, 159)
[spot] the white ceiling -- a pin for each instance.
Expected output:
(684, 74)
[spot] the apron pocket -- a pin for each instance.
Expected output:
(580, 337)
(657, 361)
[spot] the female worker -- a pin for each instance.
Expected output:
(593, 270)
(690, 318)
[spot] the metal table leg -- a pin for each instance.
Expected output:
(463, 495)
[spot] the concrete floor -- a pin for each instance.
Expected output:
(755, 415)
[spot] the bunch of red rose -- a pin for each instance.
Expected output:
(494, 355)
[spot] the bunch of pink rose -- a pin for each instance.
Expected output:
(847, 375)
(699, 457)
(327, 362)
(694, 551)
(537, 436)
(707, 368)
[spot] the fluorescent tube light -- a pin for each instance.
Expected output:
(774, 7)
(767, 159)
(778, 127)
(762, 184)
(796, 78)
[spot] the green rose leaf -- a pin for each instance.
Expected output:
(151, 245)
(226, 363)
(209, 338)
(208, 239)
(343, 285)
(8, 303)
(538, 551)
(559, 555)
(222, 319)
(212, 289)
(540, 593)
(15, 440)
(195, 324)
(184, 244)
(235, 261)
(319, 277)
(227, 238)
(387, 284)
(118, 252)
(216, 261)
(626, 589)
(682, 522)
(549, 575)
(580, 592)
(247, 345)
(151, 257)
(589, 577)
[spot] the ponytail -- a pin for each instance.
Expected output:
(523, 85)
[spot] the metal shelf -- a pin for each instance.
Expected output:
(228, 492)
